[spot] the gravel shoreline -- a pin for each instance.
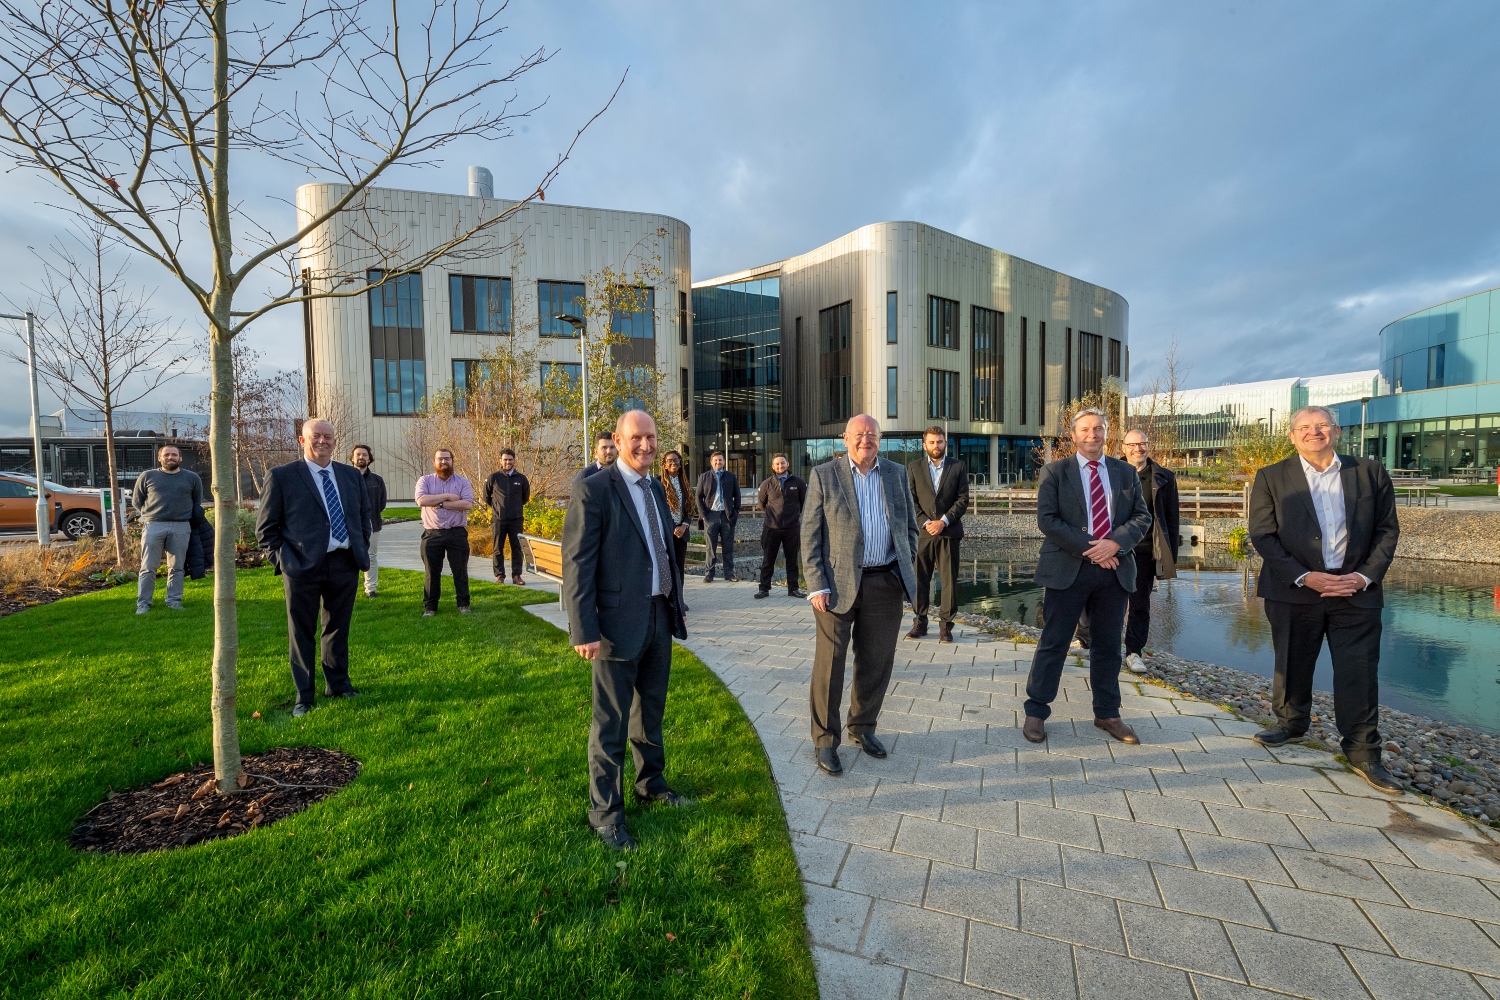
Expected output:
(1450, 764)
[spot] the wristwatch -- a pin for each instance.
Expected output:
(440, 505)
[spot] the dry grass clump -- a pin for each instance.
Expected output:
(62, 566)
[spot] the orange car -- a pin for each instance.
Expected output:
(76, 513)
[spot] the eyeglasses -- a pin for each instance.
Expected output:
(866, 436)
(1137, 444)
(1304, 428)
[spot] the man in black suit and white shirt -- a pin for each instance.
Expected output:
(1092, 514)
(719, 504)
(624, 608)
(940, 491)
(604, 456)
(315, 522)
(1324, 525)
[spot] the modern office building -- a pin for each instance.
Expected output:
(1442, 413)
(1206, 419)
(385, 353)
(910, 324)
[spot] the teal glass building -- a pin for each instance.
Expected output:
(1442, 411)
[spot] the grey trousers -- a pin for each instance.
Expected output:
(874, 624)
(372, 575)
(630, 698)
(162, 537)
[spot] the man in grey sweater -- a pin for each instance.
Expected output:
(165, 498)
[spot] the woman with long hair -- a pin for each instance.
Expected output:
(680, 501)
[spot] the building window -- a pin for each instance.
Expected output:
(942, 394)
(836, 362)
(398, 355)
(682, 318)
(683, 391)
(802, 359)
(890, 391)
(987, 360)
(1115, 367)
(556, 298)
(890, 317)
(1435, 365)
(639, 326)
(1090, 363)
(563, 375)
(1041, 374)
(479, 305)
(942, 322)
(1067, 365)
(1396, 374)
(1025, 367)
(468, 375)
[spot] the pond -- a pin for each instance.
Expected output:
(1439, 651)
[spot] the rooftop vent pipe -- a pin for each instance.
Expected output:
(481, 183)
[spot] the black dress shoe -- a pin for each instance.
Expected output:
(761, 595)
(299, 710)
(798, 593)
(671, 799)
(1276, 736)
(1377, 776)
(1034, 729)
(731, 578)
(616, 837)
(828, 761)
(945, 632)
(918, 629)
(708, 577)
(330, 693)
(869, 744)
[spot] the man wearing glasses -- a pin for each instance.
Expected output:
(1325, 526)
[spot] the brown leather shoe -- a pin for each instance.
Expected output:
(918, 629)
(1118, 729)
(1034, 729)
(945, 632)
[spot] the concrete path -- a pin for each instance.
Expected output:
(1196, 865)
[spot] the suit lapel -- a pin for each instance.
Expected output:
(1295, 483)
(888, 490)
(1349, 481)
(845, 478)
(1073, 480)
(623, 492)
(305, 474)
(1118, 514)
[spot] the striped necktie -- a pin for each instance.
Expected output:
(335, 509)
(1098, 509)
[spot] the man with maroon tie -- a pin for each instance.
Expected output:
(1091, 513)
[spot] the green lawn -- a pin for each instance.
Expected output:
(412, 513)
(459, 863)
(1473, 490)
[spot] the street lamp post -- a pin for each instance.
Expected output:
(43, 515)
(578, 324)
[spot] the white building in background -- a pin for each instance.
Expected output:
(1206, 418)
(385, 353)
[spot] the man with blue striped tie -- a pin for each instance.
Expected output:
(315, 523)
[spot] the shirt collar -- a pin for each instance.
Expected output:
(314, 467)
(630, 474)
(873, 469)
(1083, 463)
(1307, 466)
(939, 463)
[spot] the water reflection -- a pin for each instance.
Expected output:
(1439, 651)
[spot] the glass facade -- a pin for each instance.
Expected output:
(555, 298)
(572, 371)
(942, 322)
(467, 373)
(1453, 343)
(1018, 455)
(988, 363)
(478, 305)
(737, 374)
(398, 354)
(942, 394)
(835, 363)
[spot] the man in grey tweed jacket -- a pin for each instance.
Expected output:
(859, 538)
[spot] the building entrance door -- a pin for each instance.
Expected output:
(742, 464)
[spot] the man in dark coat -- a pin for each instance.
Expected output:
(506, 494)
(363, 457)
(624, 608)
(940, 492)
(1325, 527)
(1092, 514)
(315, 522)
(604, 457)
(719, 504)
(200, 550)
(781, 497)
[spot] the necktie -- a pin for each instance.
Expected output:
(663, 566)
(718, 503)
(335, 509)
(1098, 509)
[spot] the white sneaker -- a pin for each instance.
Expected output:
(1136, 665)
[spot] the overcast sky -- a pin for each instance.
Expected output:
(1267, 183)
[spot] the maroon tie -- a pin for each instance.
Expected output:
(1098, 509)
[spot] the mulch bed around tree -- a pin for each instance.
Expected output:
(184, 809)
(29, 597)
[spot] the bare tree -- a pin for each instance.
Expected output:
(1160, 412)
(98, 342)
(137, 110)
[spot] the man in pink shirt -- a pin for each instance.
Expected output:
(446, 499)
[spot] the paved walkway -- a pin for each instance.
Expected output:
(1196, 865)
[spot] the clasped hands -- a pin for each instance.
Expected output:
(1334, 585)
(1103, 553)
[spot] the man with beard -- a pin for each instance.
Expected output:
(166, 498)
(363, 458)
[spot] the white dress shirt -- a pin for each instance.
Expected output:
(935, 470)
(317, 474)
(643, 510)
(1088, 499)
(1327, 489)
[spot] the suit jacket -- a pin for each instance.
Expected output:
(782, 503)
(375, 486)
(293, 525)
(606, 559)
(1285, 532)
(833, 538)
(1165, 510)
(731, 488)
(1062, 512)
(588, 470)
(951, 498)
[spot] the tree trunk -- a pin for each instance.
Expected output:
(226, 735)
(117, 523)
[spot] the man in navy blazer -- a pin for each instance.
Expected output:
(315, 523)
(1092, 514)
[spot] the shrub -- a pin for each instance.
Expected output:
(60, 566)
(543, 519)
(245, 522)
(1239, 538)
